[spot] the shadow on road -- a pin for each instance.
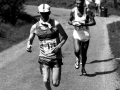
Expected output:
(102, 73)
(99, 61)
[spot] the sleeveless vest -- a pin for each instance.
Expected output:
(48, 36)
(80, 19)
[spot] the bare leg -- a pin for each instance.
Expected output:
(84, 53)
(56, 76)
(99, 10)
(41, 69)
(96, 9)
(46, 76)
(77, 47)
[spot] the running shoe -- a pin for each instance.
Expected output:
(84, 73)
(77, 64)
(80, 62)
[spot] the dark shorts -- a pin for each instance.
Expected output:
(50, 62)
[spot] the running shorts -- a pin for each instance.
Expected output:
(81, 35)
(50, 62)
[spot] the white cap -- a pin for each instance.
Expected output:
(44, 8)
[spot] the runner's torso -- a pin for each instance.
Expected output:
(81, 32)
(80, 18)
(48, 36)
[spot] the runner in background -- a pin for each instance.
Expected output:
(87, 3)
(98, 7)
(81, 18)
(51, 37)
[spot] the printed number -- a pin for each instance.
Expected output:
(48, 45)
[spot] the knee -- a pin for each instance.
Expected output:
(77, 51)
(84, 57)
(55, 83)
(45, 80)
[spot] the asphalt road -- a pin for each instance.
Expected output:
(19, 70)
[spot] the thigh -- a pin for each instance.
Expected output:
(46, 72)
(85, 47)
(56, 74)
(77, 44)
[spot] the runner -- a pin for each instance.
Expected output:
(97, 9)
(49, 32)
(81, 18)
(87, 3)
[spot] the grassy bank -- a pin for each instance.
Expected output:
(114, 36)
(11, 35)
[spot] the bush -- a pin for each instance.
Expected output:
(10, 10)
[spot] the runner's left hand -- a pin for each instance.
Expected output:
(56, 49)
(29, 48)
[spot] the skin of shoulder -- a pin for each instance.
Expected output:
(56, 22)
(71, 18)
(60, 29)
(33, 28)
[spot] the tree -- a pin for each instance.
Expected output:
(10, 10)
(115, 4)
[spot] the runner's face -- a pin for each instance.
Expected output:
(45, 15)
(79, 3)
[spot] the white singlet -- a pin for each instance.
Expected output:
(82, 35)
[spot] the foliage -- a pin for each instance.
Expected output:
(53, 3)
(11, 35)
(70, 3)
(10, 10)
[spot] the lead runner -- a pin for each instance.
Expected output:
(50, 58)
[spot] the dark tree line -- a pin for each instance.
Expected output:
(10, 10)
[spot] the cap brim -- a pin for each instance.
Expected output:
(45, 11)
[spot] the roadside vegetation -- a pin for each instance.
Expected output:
(15, 23)
(114, 35)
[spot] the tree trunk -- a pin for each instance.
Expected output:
(115, 4)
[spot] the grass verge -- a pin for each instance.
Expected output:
(114, 36)
(11, 35)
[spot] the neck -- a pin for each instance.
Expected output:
(45, 20)
(81, 10)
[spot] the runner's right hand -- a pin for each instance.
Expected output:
(76, 23)
(29, 49)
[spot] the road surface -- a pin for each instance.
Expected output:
(19, 70)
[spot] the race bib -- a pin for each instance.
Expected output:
(47, 46)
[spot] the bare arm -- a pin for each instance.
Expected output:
(71, 18)
(63, 37)
(31, 38)
(90, 19)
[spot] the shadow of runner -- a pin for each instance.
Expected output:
(99, 61)
(102, 73)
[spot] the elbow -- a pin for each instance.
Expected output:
(69, 22)
(66, 37)
(94, 23)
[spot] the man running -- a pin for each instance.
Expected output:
(52, 37)
(81, 18)
(98, 7)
